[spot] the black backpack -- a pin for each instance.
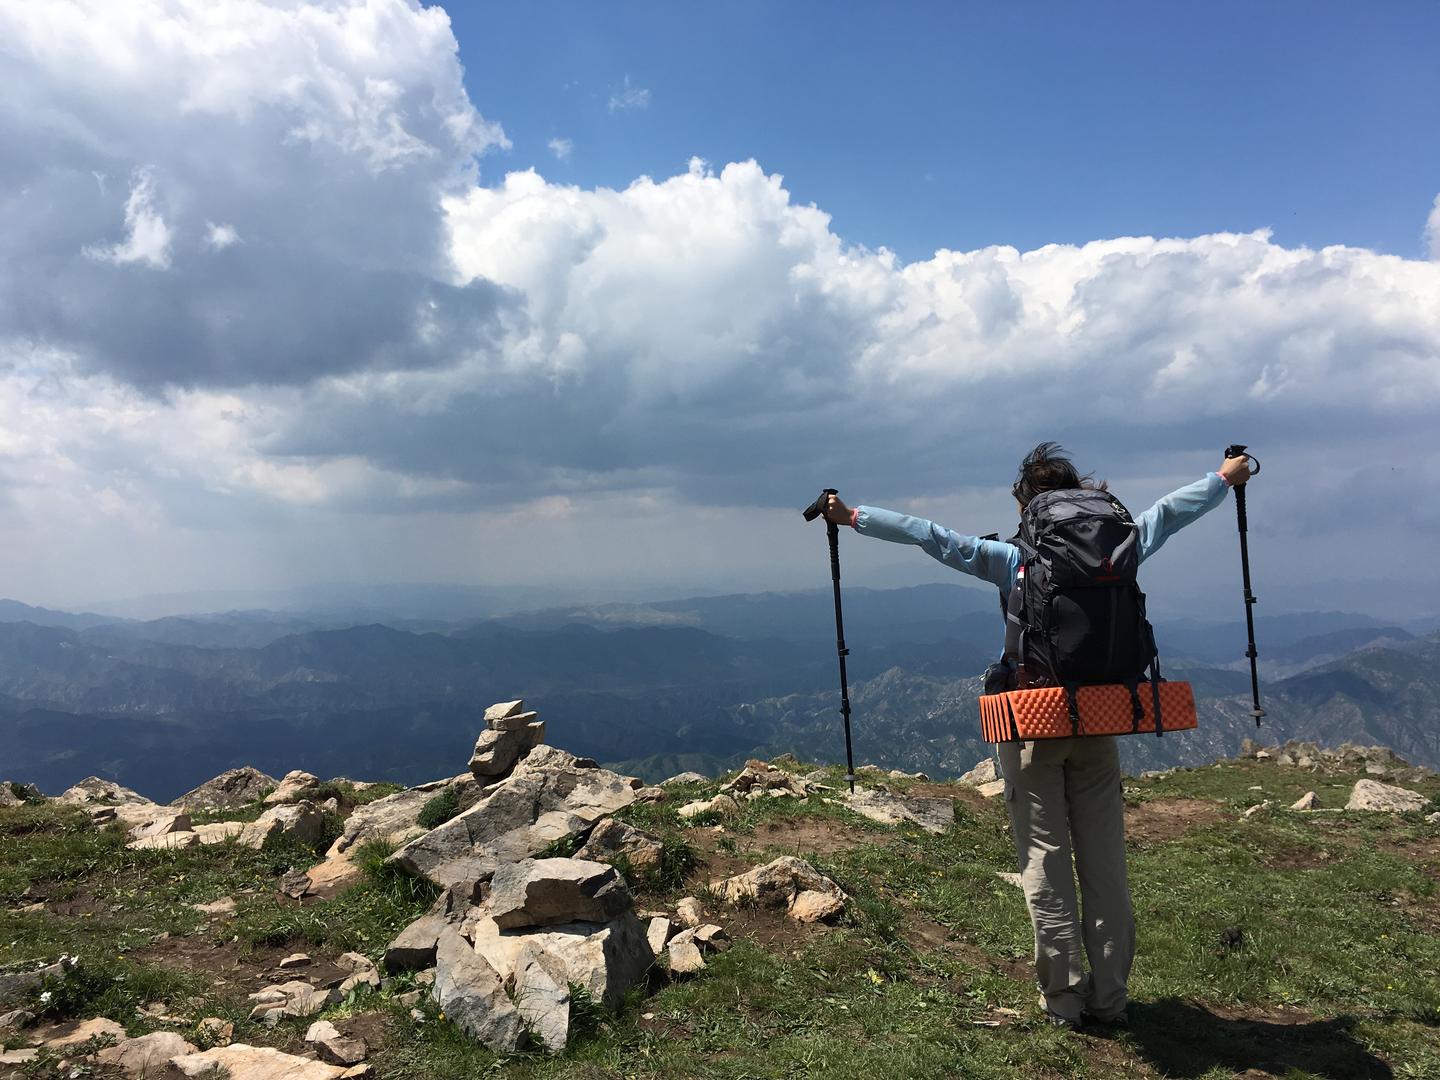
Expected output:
(1076, 616)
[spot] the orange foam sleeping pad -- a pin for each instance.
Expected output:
(1042, 713)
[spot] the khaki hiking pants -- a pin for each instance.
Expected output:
(1064, 799)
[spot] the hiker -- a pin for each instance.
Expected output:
(1063, 795)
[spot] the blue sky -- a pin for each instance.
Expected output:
(281, 300)
(925, 125)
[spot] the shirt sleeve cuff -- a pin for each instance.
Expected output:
(1225, 478)
(855, 518)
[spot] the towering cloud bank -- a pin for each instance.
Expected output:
(248, 260)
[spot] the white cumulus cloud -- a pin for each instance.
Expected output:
(219, 237)
(561, 148)
(147, 237)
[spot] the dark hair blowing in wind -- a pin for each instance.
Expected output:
(1049, 468)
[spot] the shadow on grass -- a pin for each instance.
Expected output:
(1182, 1039)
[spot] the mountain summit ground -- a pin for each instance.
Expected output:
(1273, 942)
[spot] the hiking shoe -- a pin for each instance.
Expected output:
(1119, 1020)
(1055, 1019)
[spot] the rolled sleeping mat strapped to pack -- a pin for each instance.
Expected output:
(1043, 713)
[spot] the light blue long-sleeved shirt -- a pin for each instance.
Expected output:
(996, 561)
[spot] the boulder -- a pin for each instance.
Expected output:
(1308, 801)
(166, 821)
(293, 883)
(15, 1021)
(688, 912)
(992, 789)
(496, 752)
(146, 1055)
(334, 1047)
(984, 772)
(173, 840)
(472, 996)
(611, 840)
(1373, 795)
(517, 722)
(298, 785)
(501, 709)
(549, 796)
(789, 883)
(888, 808)
(78, 1032)
(228, 791)
(685, 778)
(16, 984)
(93, 790)
(295, 960)
(543, 892)
(414, 947)
(684, 955)
(294, 998)
(710, 936)
(542, 996)
(224, 906)
(720, 804)
(217, 832)
(300, 820)
(605, 958)
(8, 796)
(1258, 808)
(239, 1061)
(657, 934)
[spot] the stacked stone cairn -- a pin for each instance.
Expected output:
(513, 931)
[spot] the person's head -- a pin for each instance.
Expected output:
(1047, 468)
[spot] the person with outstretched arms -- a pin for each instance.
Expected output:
(1063, 795)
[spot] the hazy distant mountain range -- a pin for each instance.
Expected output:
(164, 703)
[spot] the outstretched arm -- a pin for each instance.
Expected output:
(989, 560)
(1187, 504)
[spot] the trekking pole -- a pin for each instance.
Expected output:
(1233, 451)
(832, 533)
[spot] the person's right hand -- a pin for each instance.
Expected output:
(837, 511)
(1236, 470)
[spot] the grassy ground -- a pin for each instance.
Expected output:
(1334, 974)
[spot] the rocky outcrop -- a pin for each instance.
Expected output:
(685, 778)
(605, 958)
(550, 795)
(789, 883)
(1308, 801)
(95, 790)
(230, 790)
(933, 815)
(1373, 795)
